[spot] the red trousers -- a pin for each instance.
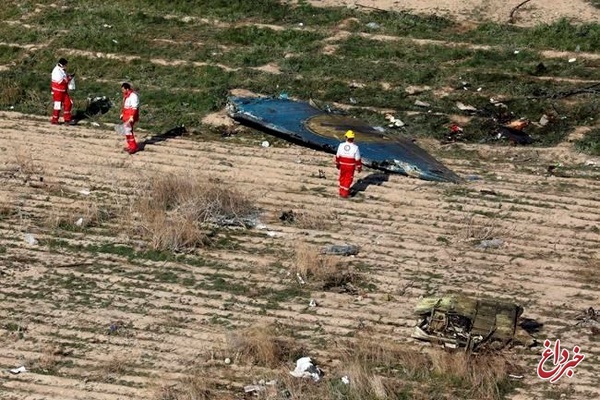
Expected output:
(130, 138)
(346, 178)
(61, 100)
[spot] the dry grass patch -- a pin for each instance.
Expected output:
(324, 271)
(261, 345)
(86, 214)
(309, 220)
(588, 274)
(383, 369)
(179, 213)
(312, 265)
(26, 166)
(193, 387)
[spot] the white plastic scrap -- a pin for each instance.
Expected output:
(79, 222)
(306, 369)
(17, 370)
(85, 192)
(265, 144)
(465, 107)
(300, 278)
(572, 60)
(345, 380)
(253, 388)
(30, 239)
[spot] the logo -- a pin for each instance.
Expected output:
(346, 147)
(561, 360)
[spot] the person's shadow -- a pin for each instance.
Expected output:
(171, 133)
(376, 178)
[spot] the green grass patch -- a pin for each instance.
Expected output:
(590, 143)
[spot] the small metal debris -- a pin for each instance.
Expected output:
(340, 250)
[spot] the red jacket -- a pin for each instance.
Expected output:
(60, 79)
(131, 106)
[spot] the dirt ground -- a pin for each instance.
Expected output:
(531, 13)
(91, 324)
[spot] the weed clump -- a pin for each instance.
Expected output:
(180, 213)
(193, 387)
(260, 345)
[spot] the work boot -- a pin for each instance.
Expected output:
(55, 116)
(132, 146)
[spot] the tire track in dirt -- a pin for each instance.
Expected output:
(399, 225)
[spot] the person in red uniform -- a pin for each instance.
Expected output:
(347, 160)
(130, 114)
(60, 92)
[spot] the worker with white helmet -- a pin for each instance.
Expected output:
(347, 160)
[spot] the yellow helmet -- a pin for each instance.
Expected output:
(350, 134)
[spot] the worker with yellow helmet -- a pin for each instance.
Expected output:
(347, 160)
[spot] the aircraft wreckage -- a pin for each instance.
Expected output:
(460, 321)
(302, 123)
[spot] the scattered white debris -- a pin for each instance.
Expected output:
(17, 370)
(265, 144)
(261, 226)
(299, 277)
(497, 103)
(356, 85)
(373, 25)
(544, 120)
(306, 369)
(107, 26)
(115, 41)
(590, 163)
(479, 89)
(517, 51)
(228, 361)
(300, 23)
(345, 380)
(30, 239)
(79, 222)
(253, 389)
(274, 234)
(465, 107)
(312, 303)
(394, 122)
(85, 192)
(422, 103)
(491, 243)
(94, 123)
(572, 60)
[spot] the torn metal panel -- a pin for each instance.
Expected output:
(304, 124)
(457, 321)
